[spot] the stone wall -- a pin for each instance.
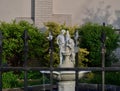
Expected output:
(44, 13)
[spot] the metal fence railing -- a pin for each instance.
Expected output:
(102, 69)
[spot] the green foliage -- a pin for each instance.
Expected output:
(38, 43)
(95, 77)
(83, 53)
(90, 39)
(54, 27)
(9, 80)
(30, 75)
(111, 78)
(13, 43)
(34, 77)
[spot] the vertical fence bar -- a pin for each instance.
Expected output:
(103, 38)
(76, 59)
(25, 39)
(76, 73)
(51, 59)
(1, 61)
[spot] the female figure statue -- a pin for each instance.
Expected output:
(70, 44)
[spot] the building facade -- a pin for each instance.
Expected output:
(44, 12)
(61, 11)
(33, 11)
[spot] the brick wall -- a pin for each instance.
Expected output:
(43, 11)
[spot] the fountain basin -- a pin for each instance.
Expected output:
(66, 75)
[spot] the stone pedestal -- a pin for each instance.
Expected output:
(67, 63)
(66, 86)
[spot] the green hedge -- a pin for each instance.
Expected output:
(111, 78)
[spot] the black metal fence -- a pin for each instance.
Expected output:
(51, 68)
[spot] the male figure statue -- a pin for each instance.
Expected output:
(61, 43)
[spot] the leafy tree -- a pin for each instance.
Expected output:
(13, 43)
(83, 60)
(9, 80)
(90, 39)
(38, 43)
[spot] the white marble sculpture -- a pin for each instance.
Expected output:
(70, 43)
(66, 44)
(61, 43)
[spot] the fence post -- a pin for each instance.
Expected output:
(103, 38)
(76, 36)
(1, 60)
(50, 38)
(25, 39)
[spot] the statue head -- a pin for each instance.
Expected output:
(63, 31)
(67, 32)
